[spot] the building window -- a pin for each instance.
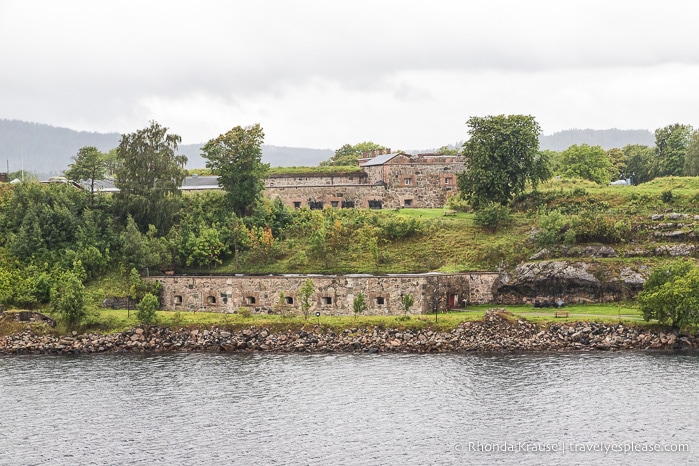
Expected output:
(407, 181)
(315, 205)
(447, 180)
(178, 300)
(335, 204)
(297, 205)
(289, 300)
(211, 299)
(408, 202)
(327, 300)
(375, 204)
(347, 204)
(249, 300)
(380, 300)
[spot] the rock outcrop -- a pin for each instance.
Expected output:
(573, 282)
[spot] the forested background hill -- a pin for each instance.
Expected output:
(47, 150)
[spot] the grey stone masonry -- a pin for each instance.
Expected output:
(333, 295)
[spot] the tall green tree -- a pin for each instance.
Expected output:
(236, 157)
(304, 294)
(618, 160)
(586, 162)
(149, 176)
(503, 156)
(671, 143)
(88, 165)
(640, 166)
(348, 154)
(691, 158)
(359, 304)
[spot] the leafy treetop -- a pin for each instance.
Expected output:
(503, 156)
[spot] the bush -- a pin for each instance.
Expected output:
(666, 196)
(147, 308)
(244, 312)
(552, 227)
(671, 295)
(600, 229)
(493, 216)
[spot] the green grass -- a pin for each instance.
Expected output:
(110, 321)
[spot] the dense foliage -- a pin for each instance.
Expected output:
(671, 295)
(503, 156)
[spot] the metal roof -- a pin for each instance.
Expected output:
(379, 160)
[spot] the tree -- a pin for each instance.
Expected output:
(639, 163)
(671, 295)
(149, 176)
(304, 295)
(407, 301)
(359, 304)
(691, 158)
(348, 154)
(88, 165)
(68, 298)
(503, 156)
(586, 162)
(146, 313)
(618, 160)
(671, 144)
(236, 157)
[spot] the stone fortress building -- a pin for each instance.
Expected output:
(333, 295)
(386, 181)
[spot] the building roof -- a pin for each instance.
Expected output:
(198, 182)
(379, 160)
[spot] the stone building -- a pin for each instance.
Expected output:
(334, 294)
(386, 181)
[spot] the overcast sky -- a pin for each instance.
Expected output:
(405, 74)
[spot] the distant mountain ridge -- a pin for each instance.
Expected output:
(47, 150)
(605, 138)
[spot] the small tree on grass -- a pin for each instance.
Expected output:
(359, 305)
(671, 295)
(68, 298)
(407, 301)
(146, 309)
(304, 295)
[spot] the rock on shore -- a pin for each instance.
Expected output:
(500, 331)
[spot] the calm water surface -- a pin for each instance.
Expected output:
(349, 409)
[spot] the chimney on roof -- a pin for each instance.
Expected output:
(373, 153)
(388, 151)
(380, 151)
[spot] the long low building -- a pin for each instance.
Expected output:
(333, 294)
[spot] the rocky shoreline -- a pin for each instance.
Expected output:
(498, 332)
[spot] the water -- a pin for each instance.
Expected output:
(348, 409)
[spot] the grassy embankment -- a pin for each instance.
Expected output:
(109, 320)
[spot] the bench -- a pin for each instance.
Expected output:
(449, 212)
(560, 313)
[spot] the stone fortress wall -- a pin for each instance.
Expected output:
(387, 181)
(334, 294)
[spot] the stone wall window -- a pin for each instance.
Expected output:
(380, 300)
(249, 300)
(211, 299)
(327, 300)
(448, 180)
(407, 181)
(347, 204)
(335, 204)
(289, 300)
(297, 204)
(407, 203)
(177, 300)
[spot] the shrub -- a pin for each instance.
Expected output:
(600, 228)
(147, 308)
(493, 216)
(671, 295)
(244, 312)
(552, 227)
